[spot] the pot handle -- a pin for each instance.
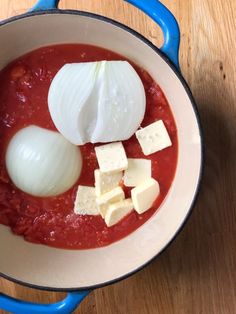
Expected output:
(66, 306)
(153, 8)
(45, 5)
(167, 22)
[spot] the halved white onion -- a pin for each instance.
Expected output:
(97, 101)
(42, 162)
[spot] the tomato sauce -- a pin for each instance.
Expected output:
(24, 86)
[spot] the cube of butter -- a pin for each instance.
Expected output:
(153, 137)
(111, 157)
(85, 203)
(105, 182)
(108, 198)
(144, 195)
(138, 171)
(118, 211)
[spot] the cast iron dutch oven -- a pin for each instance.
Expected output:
(78, 272)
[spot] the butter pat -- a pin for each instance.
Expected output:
(105, 182)
(138, 171)
(144, 195)
(153, 138)
(106, 199)
(85, 203)
(118, 211)
(111, 157)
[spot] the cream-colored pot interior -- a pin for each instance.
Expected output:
(55, 268)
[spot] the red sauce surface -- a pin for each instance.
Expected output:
(24, 85)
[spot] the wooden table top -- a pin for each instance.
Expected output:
(197, 273)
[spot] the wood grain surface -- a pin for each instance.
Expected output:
(197, 273)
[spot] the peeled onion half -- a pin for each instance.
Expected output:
(97, 101)
(42, 162)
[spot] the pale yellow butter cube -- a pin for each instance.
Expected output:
(111, 157)
(153, 138)
(108, 198)
(138, 171)
(144, 195)
(118, 211)
(105, 182)
(85, 202)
